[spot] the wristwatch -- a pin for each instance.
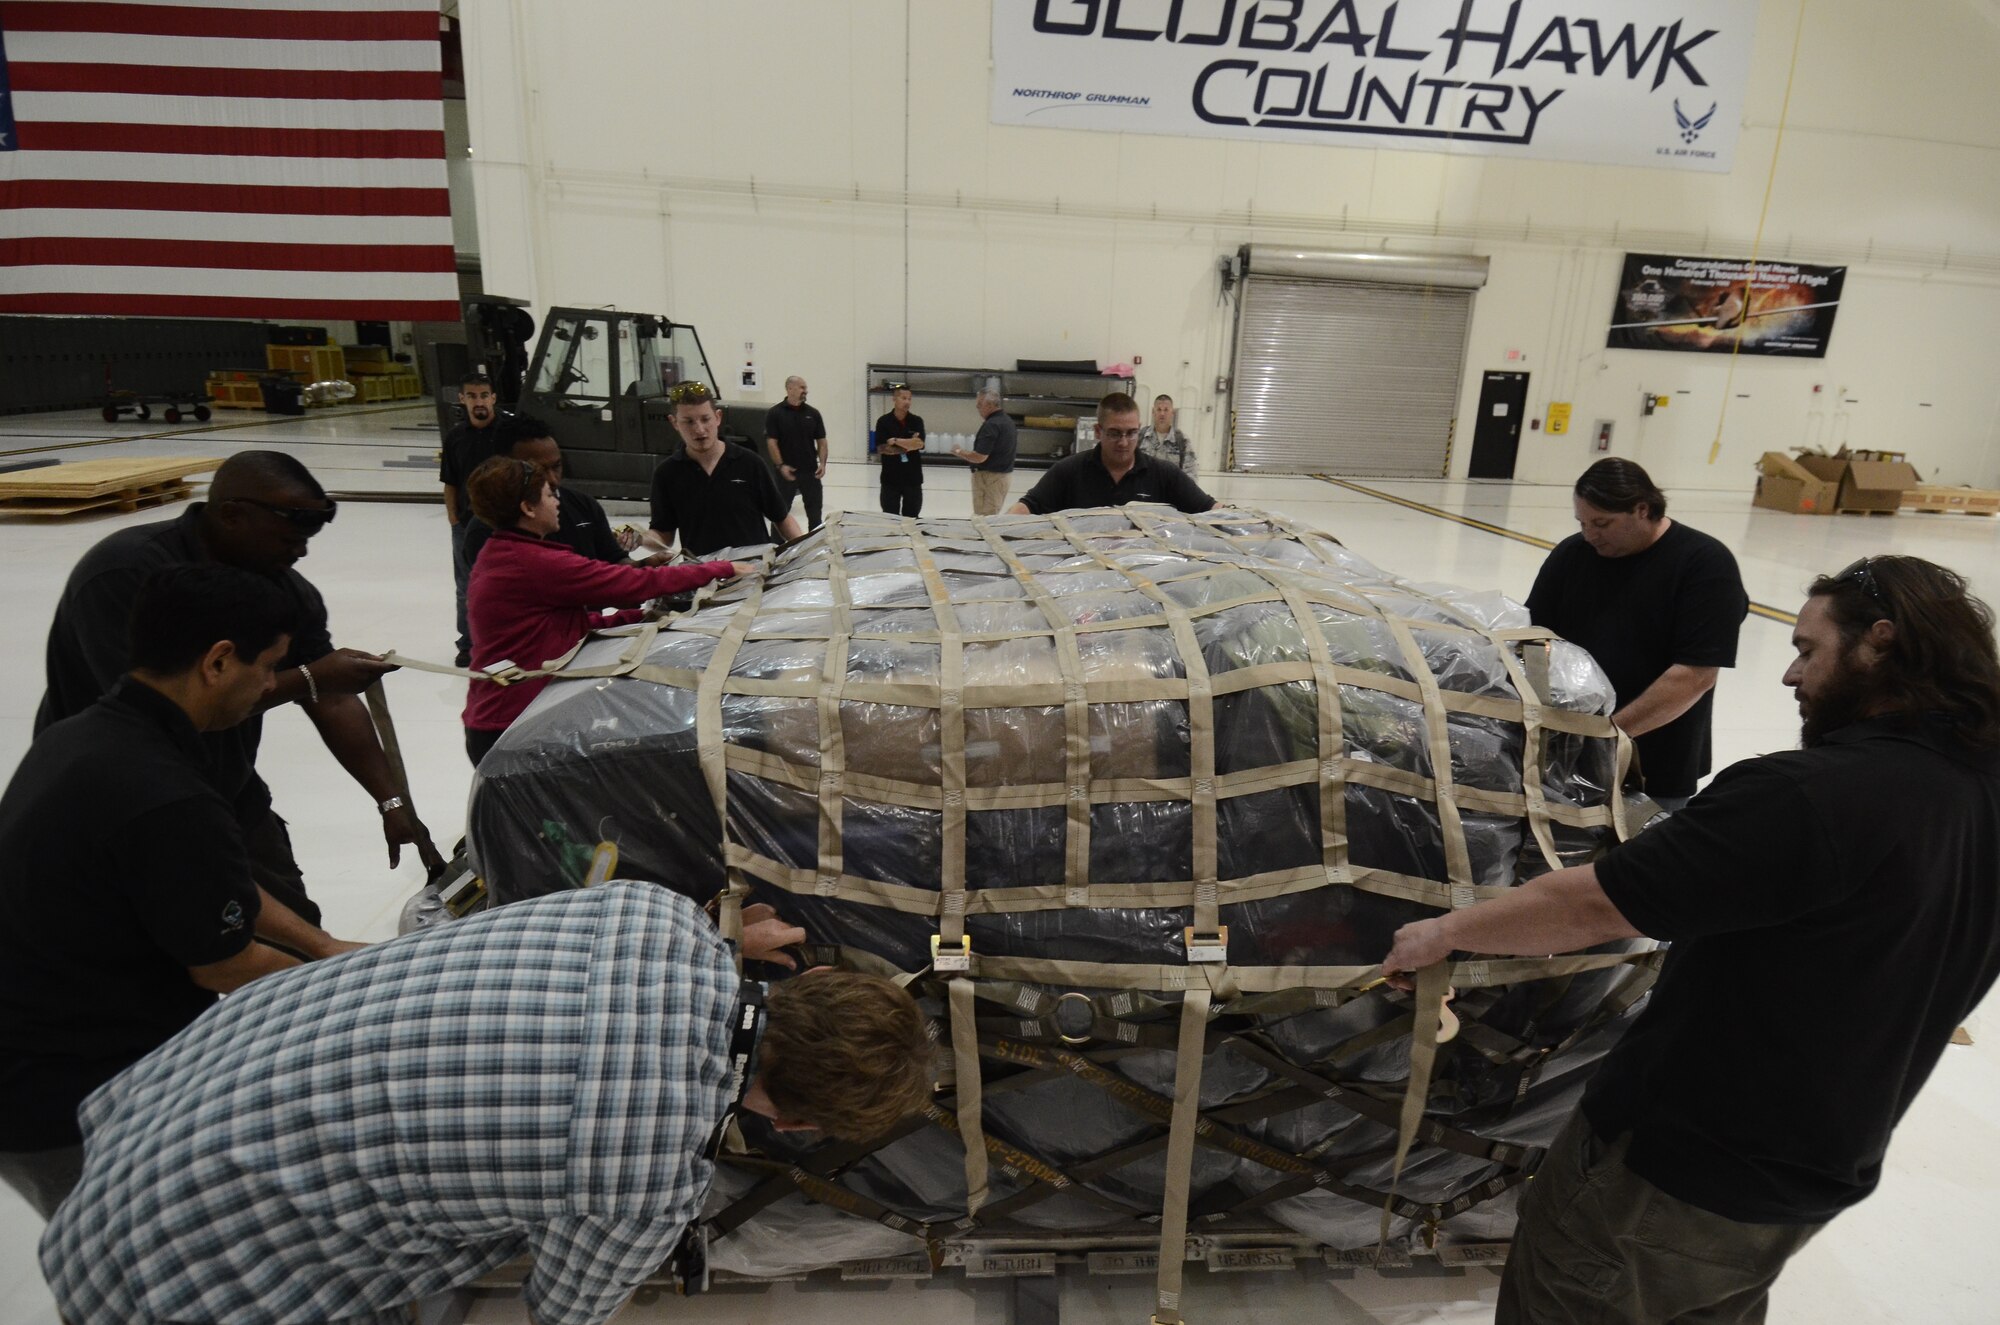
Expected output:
(393, 803)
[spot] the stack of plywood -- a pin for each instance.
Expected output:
(93, 485)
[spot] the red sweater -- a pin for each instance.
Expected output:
(530, 600)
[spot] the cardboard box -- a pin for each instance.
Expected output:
(1876, 485)
(1784, 484)
(1865, 486)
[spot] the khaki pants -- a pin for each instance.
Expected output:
(989, 492)
(1599, 1244)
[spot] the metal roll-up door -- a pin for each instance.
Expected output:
(1345, 376)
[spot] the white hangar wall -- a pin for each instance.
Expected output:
(821, 180)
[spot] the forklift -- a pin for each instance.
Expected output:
(599, 378)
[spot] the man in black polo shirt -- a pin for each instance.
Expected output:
(795, 434)
(585, 529)
(262, 509)
(124, 876)
(899, 448)
(1114, 471)
(993, 450)
(713, 495)
(1658, 604)
(1833, 916)
(461, 452)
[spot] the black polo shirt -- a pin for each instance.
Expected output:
(463, 449)
(585, 529)
(1082, 480)
(798, 430)
(1834, 915)
(904, 469)
(733, 507)
(999, 440)
(121, 866)
(1680, 601)
(89, 644)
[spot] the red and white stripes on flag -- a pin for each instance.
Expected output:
(234, 158)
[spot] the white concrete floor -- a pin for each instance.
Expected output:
(1917, 1251)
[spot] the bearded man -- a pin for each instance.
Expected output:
(1833, 916)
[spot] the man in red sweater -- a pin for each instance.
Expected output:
(532, 600)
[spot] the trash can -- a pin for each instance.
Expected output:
(283, 396)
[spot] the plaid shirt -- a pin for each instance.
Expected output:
(369, 1130)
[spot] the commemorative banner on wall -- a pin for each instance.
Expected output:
(1620, 82)
(1710, 305)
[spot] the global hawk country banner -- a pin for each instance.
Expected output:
(1617, 82)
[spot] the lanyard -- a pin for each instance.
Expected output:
(746, 1031)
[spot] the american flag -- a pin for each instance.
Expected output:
(233, 158)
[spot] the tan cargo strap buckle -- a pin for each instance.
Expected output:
(951, 963)
(1206, 945)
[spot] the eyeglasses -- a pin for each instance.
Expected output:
(689, 393)
(1862, 573)
(312, 519)
(1119, 434)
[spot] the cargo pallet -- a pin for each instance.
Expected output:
(1033, 1266)
(1932, 500)
(99, 485)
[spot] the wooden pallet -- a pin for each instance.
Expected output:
(130, 499)
(1932, 500)
(90, 485)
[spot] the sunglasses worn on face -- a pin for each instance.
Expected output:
(309, 518)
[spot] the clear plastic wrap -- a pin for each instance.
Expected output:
(619, 759)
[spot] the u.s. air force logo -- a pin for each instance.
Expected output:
(1691, 129)
(232, 916)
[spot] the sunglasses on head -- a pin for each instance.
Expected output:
(309, 518)
(1862, 573)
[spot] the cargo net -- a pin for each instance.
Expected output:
(1135, 801)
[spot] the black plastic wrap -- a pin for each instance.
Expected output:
(617, 759)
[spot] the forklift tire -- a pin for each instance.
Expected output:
(142, 413)
(201, 414)
(110, 413)
(173, 414)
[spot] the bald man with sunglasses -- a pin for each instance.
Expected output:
(263, 508)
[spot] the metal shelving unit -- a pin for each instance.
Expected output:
(1047, 407)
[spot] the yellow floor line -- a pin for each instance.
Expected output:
(1769, 613)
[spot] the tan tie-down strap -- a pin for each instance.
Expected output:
(510, 672)
(1067, 581)
(1180, 1154)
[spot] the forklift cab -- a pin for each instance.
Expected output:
(599, 380)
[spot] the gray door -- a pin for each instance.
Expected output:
(1347, 377)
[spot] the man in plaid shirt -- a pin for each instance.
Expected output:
(354, 1136)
